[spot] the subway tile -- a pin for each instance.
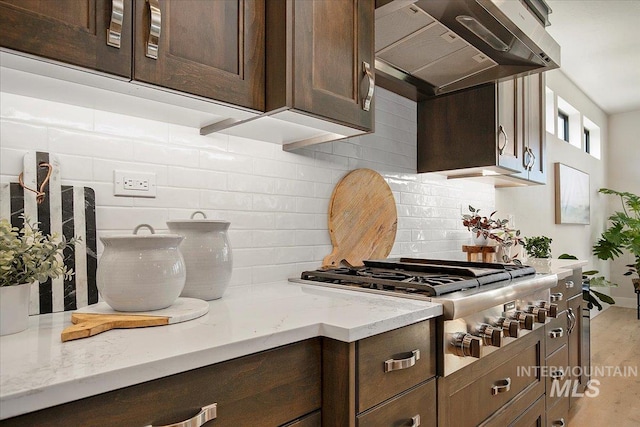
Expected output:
(12, 161)
(75, 167)
(284, 255)
(312, 205)
(272, 238)
(289, 187)
(274, 168)
(312, 173)
(105, 197)
(251, 257)
(249, 220)
(189, 136)
(125, 218)
(240, 276)
(43, 112)
(273, 203)
(23, 136)
(312, 237)
(196, 178)
(167, 197)
(225, 162)
(298, 221)
(131, 127)
(222, 200)
(251, 184)
(89, 144)
(165, 154)
(251, 147)
(240, 238)
(103, 170)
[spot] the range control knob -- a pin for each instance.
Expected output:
(539, 313)
(490, 335)
(510, 327)
(552, 309)
(466, 344)
(526, 320)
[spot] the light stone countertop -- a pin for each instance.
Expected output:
(561, 267)
(37, 370)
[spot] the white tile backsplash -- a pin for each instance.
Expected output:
(276, 201)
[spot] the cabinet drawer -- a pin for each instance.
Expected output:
(533, 417)
(377, 381)
(556, 333)
(264, 389)
(558, 415)
(311, 420)
(557, 363)
(568, 287)
(483, 396)
(416, 405)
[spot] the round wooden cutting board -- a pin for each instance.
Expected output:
(362, 219)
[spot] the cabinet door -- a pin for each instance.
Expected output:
(574, 307)
(70, 31)
(510, 135)
(213, 49)
(332, 42)
(534, 92)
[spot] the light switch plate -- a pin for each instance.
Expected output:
(134, 184)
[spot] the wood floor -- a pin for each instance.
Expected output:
(615, 341)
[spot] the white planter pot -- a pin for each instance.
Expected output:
(479, 240)
(14, 308)
(141, 272)
(207, 255)
(542, 265)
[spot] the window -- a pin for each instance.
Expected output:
(563, 125)
(587, 141)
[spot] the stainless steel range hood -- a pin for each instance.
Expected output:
(441, 46)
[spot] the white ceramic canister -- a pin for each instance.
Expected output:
(141, 272)
(207, 254)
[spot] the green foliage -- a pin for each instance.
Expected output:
(623, 233)
(538, 246)
(26, 255)
(591, 296)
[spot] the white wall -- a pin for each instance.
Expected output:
(534, 207)
(277, 202)
(623, 175)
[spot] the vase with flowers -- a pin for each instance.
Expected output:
(26, 256)
(484, 229)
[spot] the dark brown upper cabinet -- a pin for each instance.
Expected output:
(213, 49)
(494, 131)
(94, 34)
(320, 59)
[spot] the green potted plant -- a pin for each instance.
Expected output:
(623, 234)
(538, 249)
(26, 256)
(486, 228)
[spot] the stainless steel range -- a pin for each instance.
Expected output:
(486, 306)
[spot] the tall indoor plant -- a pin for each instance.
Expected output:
(622, 234)
(26, 256)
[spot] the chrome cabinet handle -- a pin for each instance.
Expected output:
(155, 26)
(398, 364)
(569, 284)
(206, 414)
(572, 320)
(558, 423)
(556, 333)
(114, 32)
(555, 297)
(415, 421)
(533, 159)
(366, 101)
(506, 140)
(557, 375)
(501, 386)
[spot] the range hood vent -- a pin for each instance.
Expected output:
(441, 46)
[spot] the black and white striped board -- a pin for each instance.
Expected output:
(68, 210)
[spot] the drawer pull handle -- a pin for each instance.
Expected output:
(557, 375)
(155, 26)
(415, 421)
(501, 386)
(572, 320)
(558, 423)
(569, 284)
(556, 333)
(555, 297)
(506, 140)
(114, 32)
(206, 414)
(397, 364)
(366, 101)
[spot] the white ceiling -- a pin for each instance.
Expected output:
(600, 45)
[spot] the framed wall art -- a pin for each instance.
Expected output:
(572, 195)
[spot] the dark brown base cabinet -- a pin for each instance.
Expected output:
(271, 388)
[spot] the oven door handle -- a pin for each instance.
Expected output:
(398, 364)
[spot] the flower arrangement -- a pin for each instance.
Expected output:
(27, 255)
(494, 229)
